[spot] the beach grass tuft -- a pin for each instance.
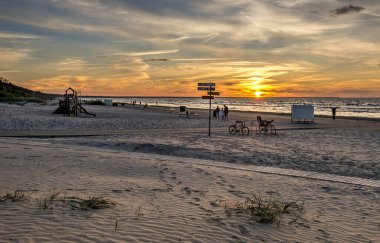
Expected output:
(95, 202)
(138, 211)
(60, 199)
(50, 200)
(57, 198)
(16, 196)
(265, 209)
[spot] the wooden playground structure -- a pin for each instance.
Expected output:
(71, 105)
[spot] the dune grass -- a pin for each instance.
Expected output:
(56, 199)
(265, 209)
(16, 196)
(50, 200)
(95, 202)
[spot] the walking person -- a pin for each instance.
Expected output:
(225, 113)
(221, 114)
(217, 111)
(333, 110)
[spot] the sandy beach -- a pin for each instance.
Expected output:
(169, 182)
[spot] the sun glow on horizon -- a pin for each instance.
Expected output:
(256, 87)
(258, 93)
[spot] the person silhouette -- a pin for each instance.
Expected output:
(225, 113)
(333, 110)
(217, 111)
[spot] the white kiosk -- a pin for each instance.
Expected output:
(302, 113)
(108, 102)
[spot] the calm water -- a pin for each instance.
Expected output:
(349, 107)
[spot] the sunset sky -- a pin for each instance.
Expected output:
(267, 48)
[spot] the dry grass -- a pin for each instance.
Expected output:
(56, 199)
(265, 209)
(95, 202)
(51, 200)
(16, 196)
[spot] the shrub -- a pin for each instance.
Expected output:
(266, 209)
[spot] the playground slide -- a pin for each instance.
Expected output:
(84, 110)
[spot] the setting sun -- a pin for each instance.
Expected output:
(258, 93)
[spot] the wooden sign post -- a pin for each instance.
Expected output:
(208, 87)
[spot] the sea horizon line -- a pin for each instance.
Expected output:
(228, 97)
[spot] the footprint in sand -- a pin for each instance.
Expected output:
(117, 190)
(234, 237)
(173, 177)
(169, 185)
(220, 183)
(193, 203)
(199, 170)
(236, 193)
(324, 233)
(162, 178)
(243, 230)
(162, 189)
(214, 204)
(187, 190)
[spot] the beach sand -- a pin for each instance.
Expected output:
(170, 182)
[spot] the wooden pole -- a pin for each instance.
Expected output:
(209, 117)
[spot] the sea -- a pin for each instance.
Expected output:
(346, 107)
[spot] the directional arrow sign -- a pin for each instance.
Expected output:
(208, 97)
(206, 84)
(206, 88)
(213, 93)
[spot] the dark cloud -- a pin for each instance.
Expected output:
(156, 60)
(229, 83)
(346, 10)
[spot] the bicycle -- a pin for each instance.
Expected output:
(240, 127)
(265, 127)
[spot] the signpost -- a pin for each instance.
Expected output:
(208, 87)
(213, 93)
(207, 84)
